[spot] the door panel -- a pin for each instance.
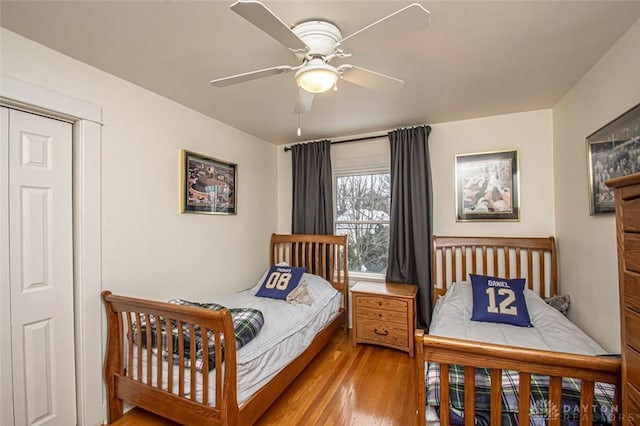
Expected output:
(41, 270)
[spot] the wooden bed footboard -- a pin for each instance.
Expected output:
(133, 372)
(449, 351)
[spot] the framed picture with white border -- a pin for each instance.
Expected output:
(487, 186)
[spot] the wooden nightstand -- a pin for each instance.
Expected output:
(384, 314)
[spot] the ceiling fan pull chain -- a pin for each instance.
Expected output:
(299, 129)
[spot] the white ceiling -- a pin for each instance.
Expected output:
(477, 58)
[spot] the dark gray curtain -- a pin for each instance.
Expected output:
(411, 217)
(312, 211)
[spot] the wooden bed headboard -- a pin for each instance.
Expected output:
(323, 255)
(531, 258)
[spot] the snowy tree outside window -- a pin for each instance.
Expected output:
(363, 202)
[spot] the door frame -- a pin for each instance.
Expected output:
(86, 119)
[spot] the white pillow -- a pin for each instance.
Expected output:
(319, 288)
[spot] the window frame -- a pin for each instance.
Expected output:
(357, 275)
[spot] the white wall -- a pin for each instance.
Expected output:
(530, 133)
(588, 268)
(149, 248)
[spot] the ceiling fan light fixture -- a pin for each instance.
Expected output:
(317, 76)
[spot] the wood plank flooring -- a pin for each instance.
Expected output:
(365, 385)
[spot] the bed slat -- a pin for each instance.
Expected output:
(159, 351)
(463, 249)
(484, 260)
(129, 343)
(543, 289)
(170, 351)
(586, 402)
(474, 259)
(192, 358)
(139, 352)
(218, 371)
(555, 403)
(525, 395)
(454, 258)
(148, 353)
(444, 393)
(496, 397)
(507, 261)
(180, 359)
(469, 395)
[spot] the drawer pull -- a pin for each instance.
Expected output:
(379, 303)
(381, 333)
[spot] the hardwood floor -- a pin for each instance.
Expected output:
(365, 385)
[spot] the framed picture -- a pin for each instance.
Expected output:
(487, 186)
(612, 151)
(208, 185)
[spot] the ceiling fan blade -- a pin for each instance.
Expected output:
(409, 18)
(304, 102)
(251, 75)
(367, 78)
(260, 16)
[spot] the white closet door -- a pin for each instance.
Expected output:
(41, 270)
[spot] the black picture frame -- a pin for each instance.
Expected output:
(612, 151)
(487, 186)
(208, 185)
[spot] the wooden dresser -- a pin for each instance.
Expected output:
(627, 195)
(384, 314)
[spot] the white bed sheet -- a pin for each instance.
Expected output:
(288, 330)
(551, 330)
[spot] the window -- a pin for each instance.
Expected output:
(363, 202)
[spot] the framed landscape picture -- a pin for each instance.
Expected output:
(612, 151)
(209, 185)
(487, 186)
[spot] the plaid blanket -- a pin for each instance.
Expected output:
(247, 323)
(541, 409)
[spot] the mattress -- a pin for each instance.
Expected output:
(288, 330)
(551, 330)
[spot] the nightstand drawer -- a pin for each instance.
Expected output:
(376, 302)
(381, 332)
(381, 315)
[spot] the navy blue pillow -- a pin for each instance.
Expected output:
(499, 300)
(280, 281)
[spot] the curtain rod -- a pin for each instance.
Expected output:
(365, 138)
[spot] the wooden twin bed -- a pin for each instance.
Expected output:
(535, 260)
(149, 387)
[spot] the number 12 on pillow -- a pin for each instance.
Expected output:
(506, 305)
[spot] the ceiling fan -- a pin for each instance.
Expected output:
(316, 42)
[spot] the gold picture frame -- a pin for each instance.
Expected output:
(208, 185)
(487, 186)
